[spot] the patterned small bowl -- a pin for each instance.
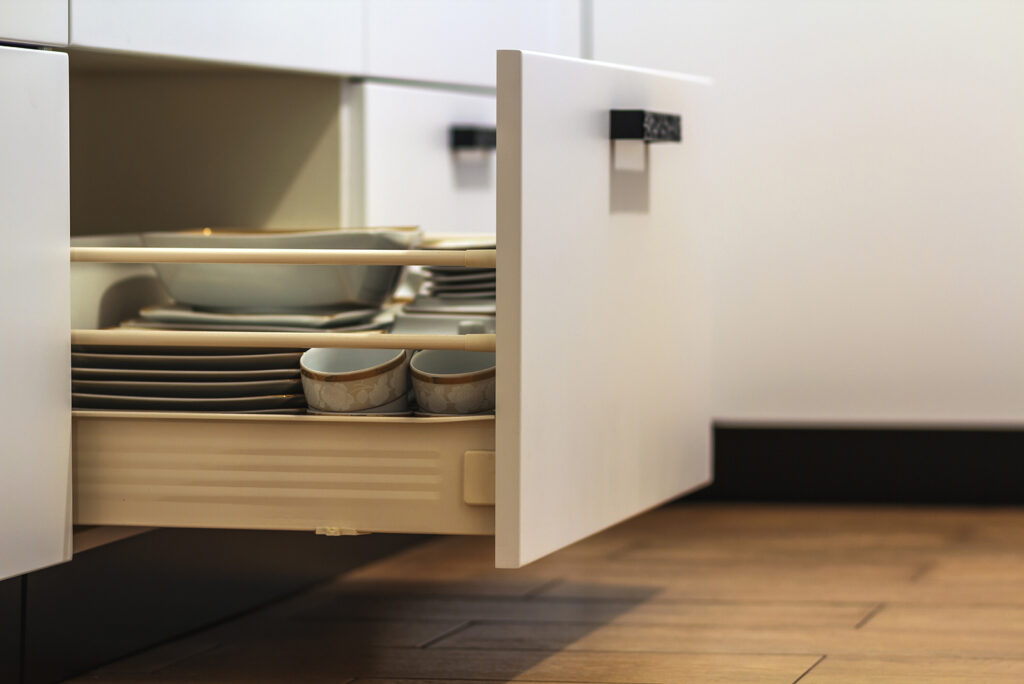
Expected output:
(348, 380)
(453, 381)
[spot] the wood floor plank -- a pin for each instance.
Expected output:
(375, 680)
(928, 619)
(815, 546)
(852, 670)
(719, 639)
(702, 593)
(742, 581)
(321, 663)
(767, 614)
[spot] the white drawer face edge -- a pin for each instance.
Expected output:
(603, 304)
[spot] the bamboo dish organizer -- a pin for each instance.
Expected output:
(329, 474)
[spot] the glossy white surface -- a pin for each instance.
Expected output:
(454, 41)
(307, 35)
(34, 21)
(35, 406)
(597, 419)
(405, 172)
(869, 159)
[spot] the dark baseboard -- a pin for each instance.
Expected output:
(121, 598)
(983, 467)
(10, 629)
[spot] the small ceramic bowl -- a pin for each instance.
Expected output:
(458, 382)
(350, 380)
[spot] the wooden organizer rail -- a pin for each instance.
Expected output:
(469, 258)
(331, 474)
(480, 342)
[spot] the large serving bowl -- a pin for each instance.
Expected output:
(277, 287)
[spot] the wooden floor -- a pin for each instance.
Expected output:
(693, 593)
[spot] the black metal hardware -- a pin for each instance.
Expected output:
(472, 137)
(639, 124)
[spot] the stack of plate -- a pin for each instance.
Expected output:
(456, 289)
(230, 297)
(181, 317)
(187, 379)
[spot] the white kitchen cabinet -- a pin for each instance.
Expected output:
(401, 167)
(454, 41)
(318, 36)
(869, 157)
(443, 41)
(36, 22)
(35, 407)
(602, 385)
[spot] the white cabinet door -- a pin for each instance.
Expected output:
(35, 353)
(42, 22)
(307, 35)
(454, 41)
(406, 171)
(603, 320)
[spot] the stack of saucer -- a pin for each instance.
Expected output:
(456, 289)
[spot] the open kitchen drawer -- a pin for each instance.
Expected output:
(603, 347)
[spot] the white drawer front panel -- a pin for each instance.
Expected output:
(410, 175)
(603, 317)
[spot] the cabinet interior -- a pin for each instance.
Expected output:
(163, 145)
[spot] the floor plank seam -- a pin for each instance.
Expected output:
(630, 624)
(447, 633)
(808, 670)
(561, 649)
(676, 601)
(871, 614)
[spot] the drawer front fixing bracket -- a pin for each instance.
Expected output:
(478, 478)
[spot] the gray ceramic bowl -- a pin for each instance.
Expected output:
(352, 380)
(447, 381)
(278, 287)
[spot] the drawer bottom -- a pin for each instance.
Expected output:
(329, 474)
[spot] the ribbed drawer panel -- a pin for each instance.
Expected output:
(331, 474)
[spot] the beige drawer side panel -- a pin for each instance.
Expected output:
(278, 472)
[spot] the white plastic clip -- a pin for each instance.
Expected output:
(339, 532)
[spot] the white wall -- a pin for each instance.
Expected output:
(870, 200)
